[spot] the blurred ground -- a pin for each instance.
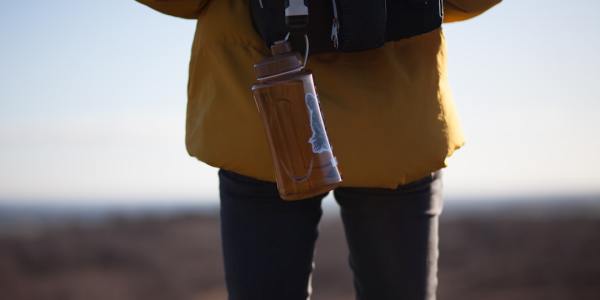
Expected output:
(483, 256)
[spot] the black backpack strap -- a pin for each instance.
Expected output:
(344, 25)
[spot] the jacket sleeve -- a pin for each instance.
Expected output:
(188, 9)
(460, 10)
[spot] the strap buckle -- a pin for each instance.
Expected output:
(296, 15)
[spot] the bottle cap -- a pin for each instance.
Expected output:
(283, 60)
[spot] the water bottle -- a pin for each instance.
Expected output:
(287, 101)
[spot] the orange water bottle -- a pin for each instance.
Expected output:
(287, 102)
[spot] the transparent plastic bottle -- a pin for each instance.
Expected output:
(287, 102)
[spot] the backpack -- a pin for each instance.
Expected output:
(350, 25)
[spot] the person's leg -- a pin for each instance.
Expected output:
(268, 243)
(392, 236)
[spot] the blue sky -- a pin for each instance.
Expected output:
(92, 102)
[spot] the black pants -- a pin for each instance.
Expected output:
(268, 243)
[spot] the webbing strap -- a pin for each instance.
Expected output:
(296, 15)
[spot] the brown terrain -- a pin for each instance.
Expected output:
(488, 255)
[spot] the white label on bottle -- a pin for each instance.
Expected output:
(318, 140)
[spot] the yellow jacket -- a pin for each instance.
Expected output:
(388, 111)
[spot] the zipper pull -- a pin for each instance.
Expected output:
(334, 33)
(335, 26)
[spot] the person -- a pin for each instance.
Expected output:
(391, 122)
